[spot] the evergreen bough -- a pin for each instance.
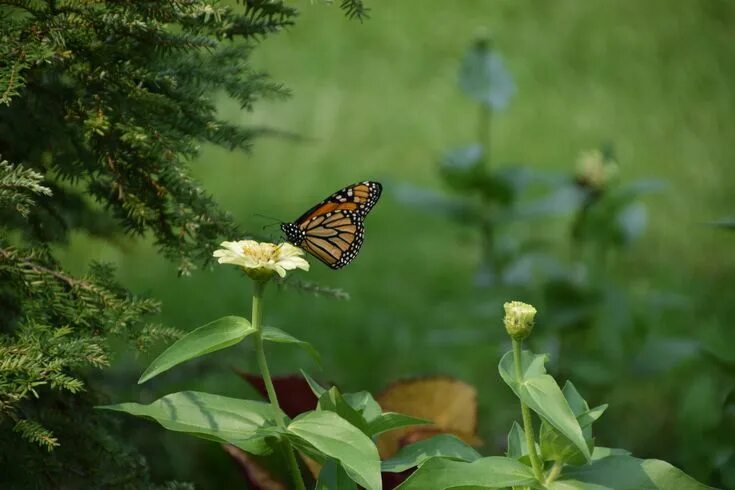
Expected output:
(102, 106)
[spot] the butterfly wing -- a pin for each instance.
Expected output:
(333, 230)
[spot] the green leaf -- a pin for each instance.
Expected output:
(442, 445)
(208, 338)
(575, 400)
(625, 473)
(388, 421)
(603, 452)
(363, 402)
(273, 334)
(554, 445)
(243, 423)
(333, 477)
(517, 445)
(336, 438)
(540, 392)
(333, 401)
(493, 472)
(316, 388)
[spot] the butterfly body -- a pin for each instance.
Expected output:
(333, 230)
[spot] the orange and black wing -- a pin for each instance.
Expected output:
(333, 230)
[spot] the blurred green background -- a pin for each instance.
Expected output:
(379, 100)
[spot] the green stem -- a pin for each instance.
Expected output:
(265, 372)
(554, 472)
(526, 413)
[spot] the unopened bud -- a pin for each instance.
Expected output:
(519, 319)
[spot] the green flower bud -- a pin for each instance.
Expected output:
(519, 319)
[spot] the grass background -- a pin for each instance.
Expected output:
(379, 100)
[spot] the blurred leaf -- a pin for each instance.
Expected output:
(449, 403)
(542, 395)
(336, 438)
(219, 334)
(294, 393)
(484, 78)
(727, 223)
(625, 473)
(273, 334)
(391, 421)
(442, 445)
(617, 217)
(462, 168)
(432, 201)
(333, 477)
(463, 161)
(632, 221)
(702, 406)
(212, 417)
(493, 471)
(560, 201)
(660, 355)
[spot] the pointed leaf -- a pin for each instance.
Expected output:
(625, 473)
(603, 452)
(493, 472)
(517, 445)
(315, 387)
(542, 395)
(333, 436)
(211, 337)
(273, 334)
(575, 400)
(443, 445)
(242, 423)
(363, 402)
(333, 477)
(333, 401)
(391, 421)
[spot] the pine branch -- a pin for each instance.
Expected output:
(35, 433)
(355, 9)
(314, 288)
(18, 185)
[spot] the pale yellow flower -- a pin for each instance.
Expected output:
(261, 259)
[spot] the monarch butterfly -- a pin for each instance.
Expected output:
(333, 231)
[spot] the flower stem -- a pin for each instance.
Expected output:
(553, 472)
(526, 413)
(265, 373)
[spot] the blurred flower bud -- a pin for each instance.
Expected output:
(595, 171)
(519, 319)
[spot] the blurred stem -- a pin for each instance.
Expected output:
(526, 413)
(483, 138)
(553, 473)
(484, 128)
(258, 288)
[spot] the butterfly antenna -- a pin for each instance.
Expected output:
(275, 221)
